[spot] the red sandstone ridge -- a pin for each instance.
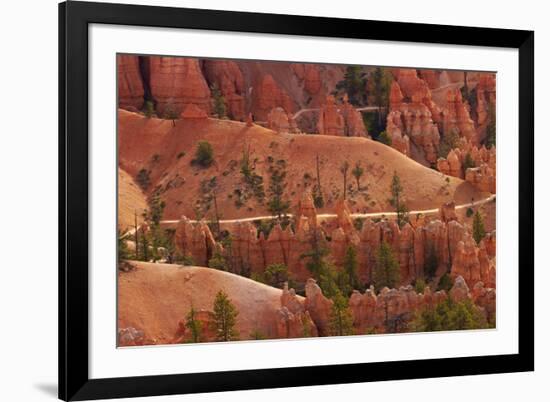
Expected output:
(130, 85)
(176, 82)
(229, 78)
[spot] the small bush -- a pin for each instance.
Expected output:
(469, 212)
(419, 285)
(181, 155)
(204, 155)
(384, 138)
(143, 178)
(445, 283)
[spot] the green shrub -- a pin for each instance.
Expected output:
(204, 155)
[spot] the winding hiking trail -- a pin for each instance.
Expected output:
(314, 109)
(354, 215)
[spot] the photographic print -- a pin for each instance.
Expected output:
(264, 200)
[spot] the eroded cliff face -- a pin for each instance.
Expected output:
(228, 77)
(176, 82)
(130, 84)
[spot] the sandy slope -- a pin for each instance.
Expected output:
(155, 145)
(154, 297)
(130, 200)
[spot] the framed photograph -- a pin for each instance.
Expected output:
(257, 201)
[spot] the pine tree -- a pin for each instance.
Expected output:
(386, 270)
(340, 319)
(344, 170)
(276, 275)
(277, 205)
(353, 84)
(350, 271)
(225, 314)
(358, 172)
(478, 228)
(218, 101)
(396, 200)
(193, 325)
(431, 263)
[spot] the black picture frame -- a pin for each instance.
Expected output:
(74, 18)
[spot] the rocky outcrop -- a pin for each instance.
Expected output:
(176, 82)
(310, 75)
(456, 117)
(293, 320)
(391, 308)
(458, 158)
(485, 97)
(483, 178)
(450, 166)
(282, 122)
(473, 263)
(228, 77)
(131, 337)
(130, 84)
(318, 306)
(267, 95)
(330, 122)
(412, 120)
(306, 208)
(447, 212)
(196, 241)
(341, 120)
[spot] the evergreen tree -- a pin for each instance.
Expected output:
(340, 319)
(153, 217)
(491, 136)
(386, 270)
(149, 109)
(193, 325)
(384, 138)
(358, 172)
(170, 113)
(378, 86)
(396, 200)
(225, 314)
(478, 228)
(344, 170)
(257, 335)
(350, 271)
(431, 263)
(468, 162)
(277, 205)
(276, 275)
(218, 101)
(122, 249)
(448, 315)
(354, 84)
(322, 270)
